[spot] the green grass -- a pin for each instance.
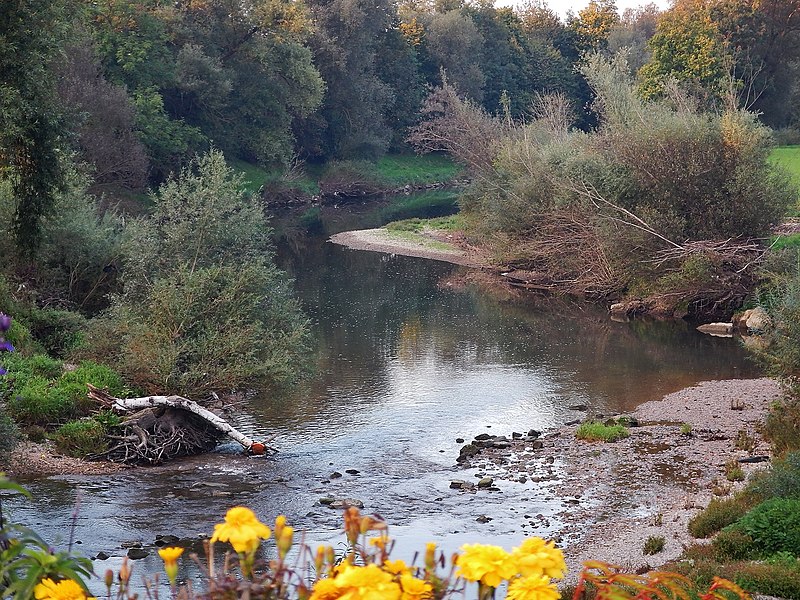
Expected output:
(787, 157)
(450, 223)
(255, 177)
(780, 242)
(411, 169)
(592, 431)
(417, 237)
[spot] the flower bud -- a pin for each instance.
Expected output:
(284, 542)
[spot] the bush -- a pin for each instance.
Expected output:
(593, 431)
(782, 425)
(773, 525)
(80, 438)
(40, 401)
(59, 332)
(772, 580)
(733, 544)
(719, 514)
(100, 376)
(204, 308)
(782, 480)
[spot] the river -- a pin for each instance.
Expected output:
(411, 357)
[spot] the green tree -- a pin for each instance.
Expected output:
(346, 41)
(31, 127)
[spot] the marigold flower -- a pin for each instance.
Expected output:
(534, 587)
(396, 567)
(67, 589)
(357, 583)
(415, 589)
(242, 529)
(537, 557)
(325, 589)
(170, 557)
(430, 556)
(490, 565)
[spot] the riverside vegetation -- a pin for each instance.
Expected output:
(636, 175)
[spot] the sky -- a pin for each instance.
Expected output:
(562, 6)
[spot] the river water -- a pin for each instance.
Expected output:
(410, 358)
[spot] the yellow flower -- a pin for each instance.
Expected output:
(489, 565)
(170, 557)
(67, 589)
(395, 567)
(357, 583)
(415, 589)
(537, 557)
(534, 587)
(325, 589)
(242, 529)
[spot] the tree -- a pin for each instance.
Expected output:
(594, 23)
(686, 47)
(455, 45)
(31, 128)
(345, 45)
(102, 117)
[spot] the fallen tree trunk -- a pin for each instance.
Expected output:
(165, 427)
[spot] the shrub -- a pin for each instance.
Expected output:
(733, 544)
(781, 581)
(773, 525)
(654, 544)
(74, 383)
(719, 514)
(593, 431)
(204, 308)
(780, 481)
(80, 438)
(59, 332)
(39, 401)
(782, 425)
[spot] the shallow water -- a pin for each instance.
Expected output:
(409, 360)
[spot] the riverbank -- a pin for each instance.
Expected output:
(29, 459)
(430, 244)
(615, 496)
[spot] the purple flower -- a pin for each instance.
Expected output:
(5, 322)
(2, 371)
(4, 345)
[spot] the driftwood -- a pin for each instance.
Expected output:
(158, 428)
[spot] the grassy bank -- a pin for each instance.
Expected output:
(388, 173)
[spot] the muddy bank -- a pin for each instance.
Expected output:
(615, 495)
(41, 460)
(434, 245)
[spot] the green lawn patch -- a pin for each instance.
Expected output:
(787, 157)
(412, 169)
(450, 223)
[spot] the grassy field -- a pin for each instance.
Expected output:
(402, 169)
(788, 157)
